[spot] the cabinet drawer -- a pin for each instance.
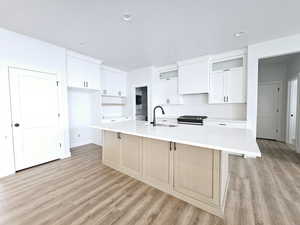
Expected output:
(226, 124)
(156, 162)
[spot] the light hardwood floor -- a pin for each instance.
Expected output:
(81, 190)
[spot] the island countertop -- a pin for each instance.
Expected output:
(232, 140)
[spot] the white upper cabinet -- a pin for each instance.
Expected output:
(165, 86)
(228, 80)
(216, 93)
(113, 81)
(235, 85)
(83, 71)
(193, 76)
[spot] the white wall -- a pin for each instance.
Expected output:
(293, 67)
(258, 51)
(277, 47)
(84, 110)
(270, 72)
(28, 53)
(138, 78)
(193, 104)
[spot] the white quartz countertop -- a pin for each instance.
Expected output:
(234, 140)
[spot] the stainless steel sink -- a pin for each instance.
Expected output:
(165, 125)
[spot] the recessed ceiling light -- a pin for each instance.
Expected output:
(127, 17)
(239, 34)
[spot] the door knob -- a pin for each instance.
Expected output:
(292, 115)
(16, 125)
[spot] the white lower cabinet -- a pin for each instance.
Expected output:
(190, 173)
(156, 162)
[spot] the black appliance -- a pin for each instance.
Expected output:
(192, 120)
(138, 99)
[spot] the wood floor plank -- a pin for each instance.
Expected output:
(82, 191)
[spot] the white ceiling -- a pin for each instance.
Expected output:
(161, 32)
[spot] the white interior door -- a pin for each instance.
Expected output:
(268, 115)
(34, 102)
(292, 111)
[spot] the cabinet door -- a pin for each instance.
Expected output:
(110, 82)
(216, 92)
(83, 74)
(194, 77)
(75, 71)
(111, 149)
(193, 171)
(131, 154)
(92, 75)
(156, 162)
(167, 92)
(235, 85)
(122, 84)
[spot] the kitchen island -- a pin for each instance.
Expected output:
(188, 162)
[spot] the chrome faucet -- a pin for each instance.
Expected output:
(154, 118)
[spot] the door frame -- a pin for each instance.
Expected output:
(280, 106)
(133, 88)
(287, 137)
(59, 108)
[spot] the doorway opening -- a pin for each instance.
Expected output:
(278, 99)
(141, 103)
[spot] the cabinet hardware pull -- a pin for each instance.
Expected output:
(224, 99)
(119, 135)
(16, 124)
(227, 99)
(174, 146)
(87, 84)
(83, 83)
(170, 146)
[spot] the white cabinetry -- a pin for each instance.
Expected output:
(113, 82)
(165, 86)
(193, 76)
(226, 123)
(228, 81)
(83, 72)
